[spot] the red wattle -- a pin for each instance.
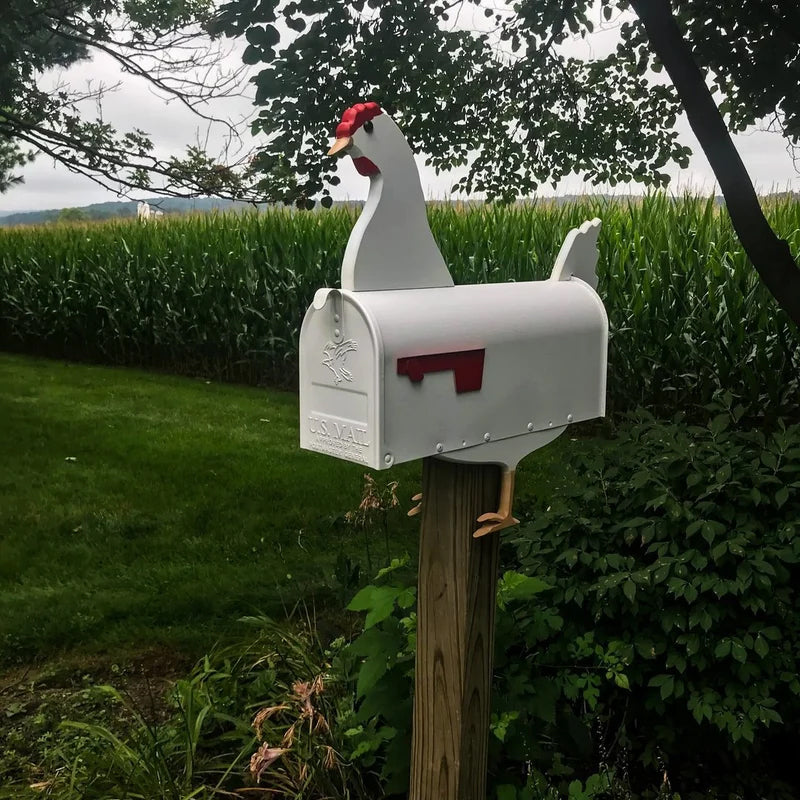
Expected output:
(365, 167)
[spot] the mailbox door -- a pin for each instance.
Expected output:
(340, 379)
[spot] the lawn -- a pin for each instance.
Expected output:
(144, 508)
(139, 510)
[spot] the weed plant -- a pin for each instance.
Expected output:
(224, 295)
(263, 717)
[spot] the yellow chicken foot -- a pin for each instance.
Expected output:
(417, 498)
(502, 518)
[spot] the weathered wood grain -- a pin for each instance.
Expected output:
(455, 635)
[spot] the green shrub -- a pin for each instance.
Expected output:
(379, 663)
(677, 560)
(664, 655)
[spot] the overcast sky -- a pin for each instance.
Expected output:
(173, 127)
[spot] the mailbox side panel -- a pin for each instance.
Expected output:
(340, 374)
(532, 357)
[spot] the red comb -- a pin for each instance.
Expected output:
(355, 117)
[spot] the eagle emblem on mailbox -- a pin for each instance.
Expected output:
(473, 373)
(333, 357)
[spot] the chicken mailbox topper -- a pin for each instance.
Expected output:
(400, 363)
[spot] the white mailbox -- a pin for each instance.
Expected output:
(399, 363)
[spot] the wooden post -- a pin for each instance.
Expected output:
(455, 633)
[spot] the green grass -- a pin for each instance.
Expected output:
(182, 510)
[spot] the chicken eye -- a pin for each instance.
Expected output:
(368, 126)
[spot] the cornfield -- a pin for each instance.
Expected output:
(224, 295)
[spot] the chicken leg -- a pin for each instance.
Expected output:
(502, 518)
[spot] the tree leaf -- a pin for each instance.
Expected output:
(378, 601)
(514, 586)
(629, 589)
(370, 672)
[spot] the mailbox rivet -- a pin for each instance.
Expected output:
(569, 417)
(337, 333)
(530, 426)
(463, 442)
(388, 458)
(486, 437)
(550, 424)
(335, 317)
(439, 447)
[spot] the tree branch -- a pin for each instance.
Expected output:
(108, 163)
(769, 254)
(130, 66)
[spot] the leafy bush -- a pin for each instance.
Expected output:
(380, 664)
(663, 657)
(676, 556)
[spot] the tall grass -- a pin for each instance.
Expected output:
(225, 295)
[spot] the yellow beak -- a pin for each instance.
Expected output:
(340, 144)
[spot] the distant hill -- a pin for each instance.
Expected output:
(126, 208)
(179, 205)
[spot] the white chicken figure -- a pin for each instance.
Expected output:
(391, 247)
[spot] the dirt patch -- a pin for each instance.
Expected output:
(139, 674)
(36, 700)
